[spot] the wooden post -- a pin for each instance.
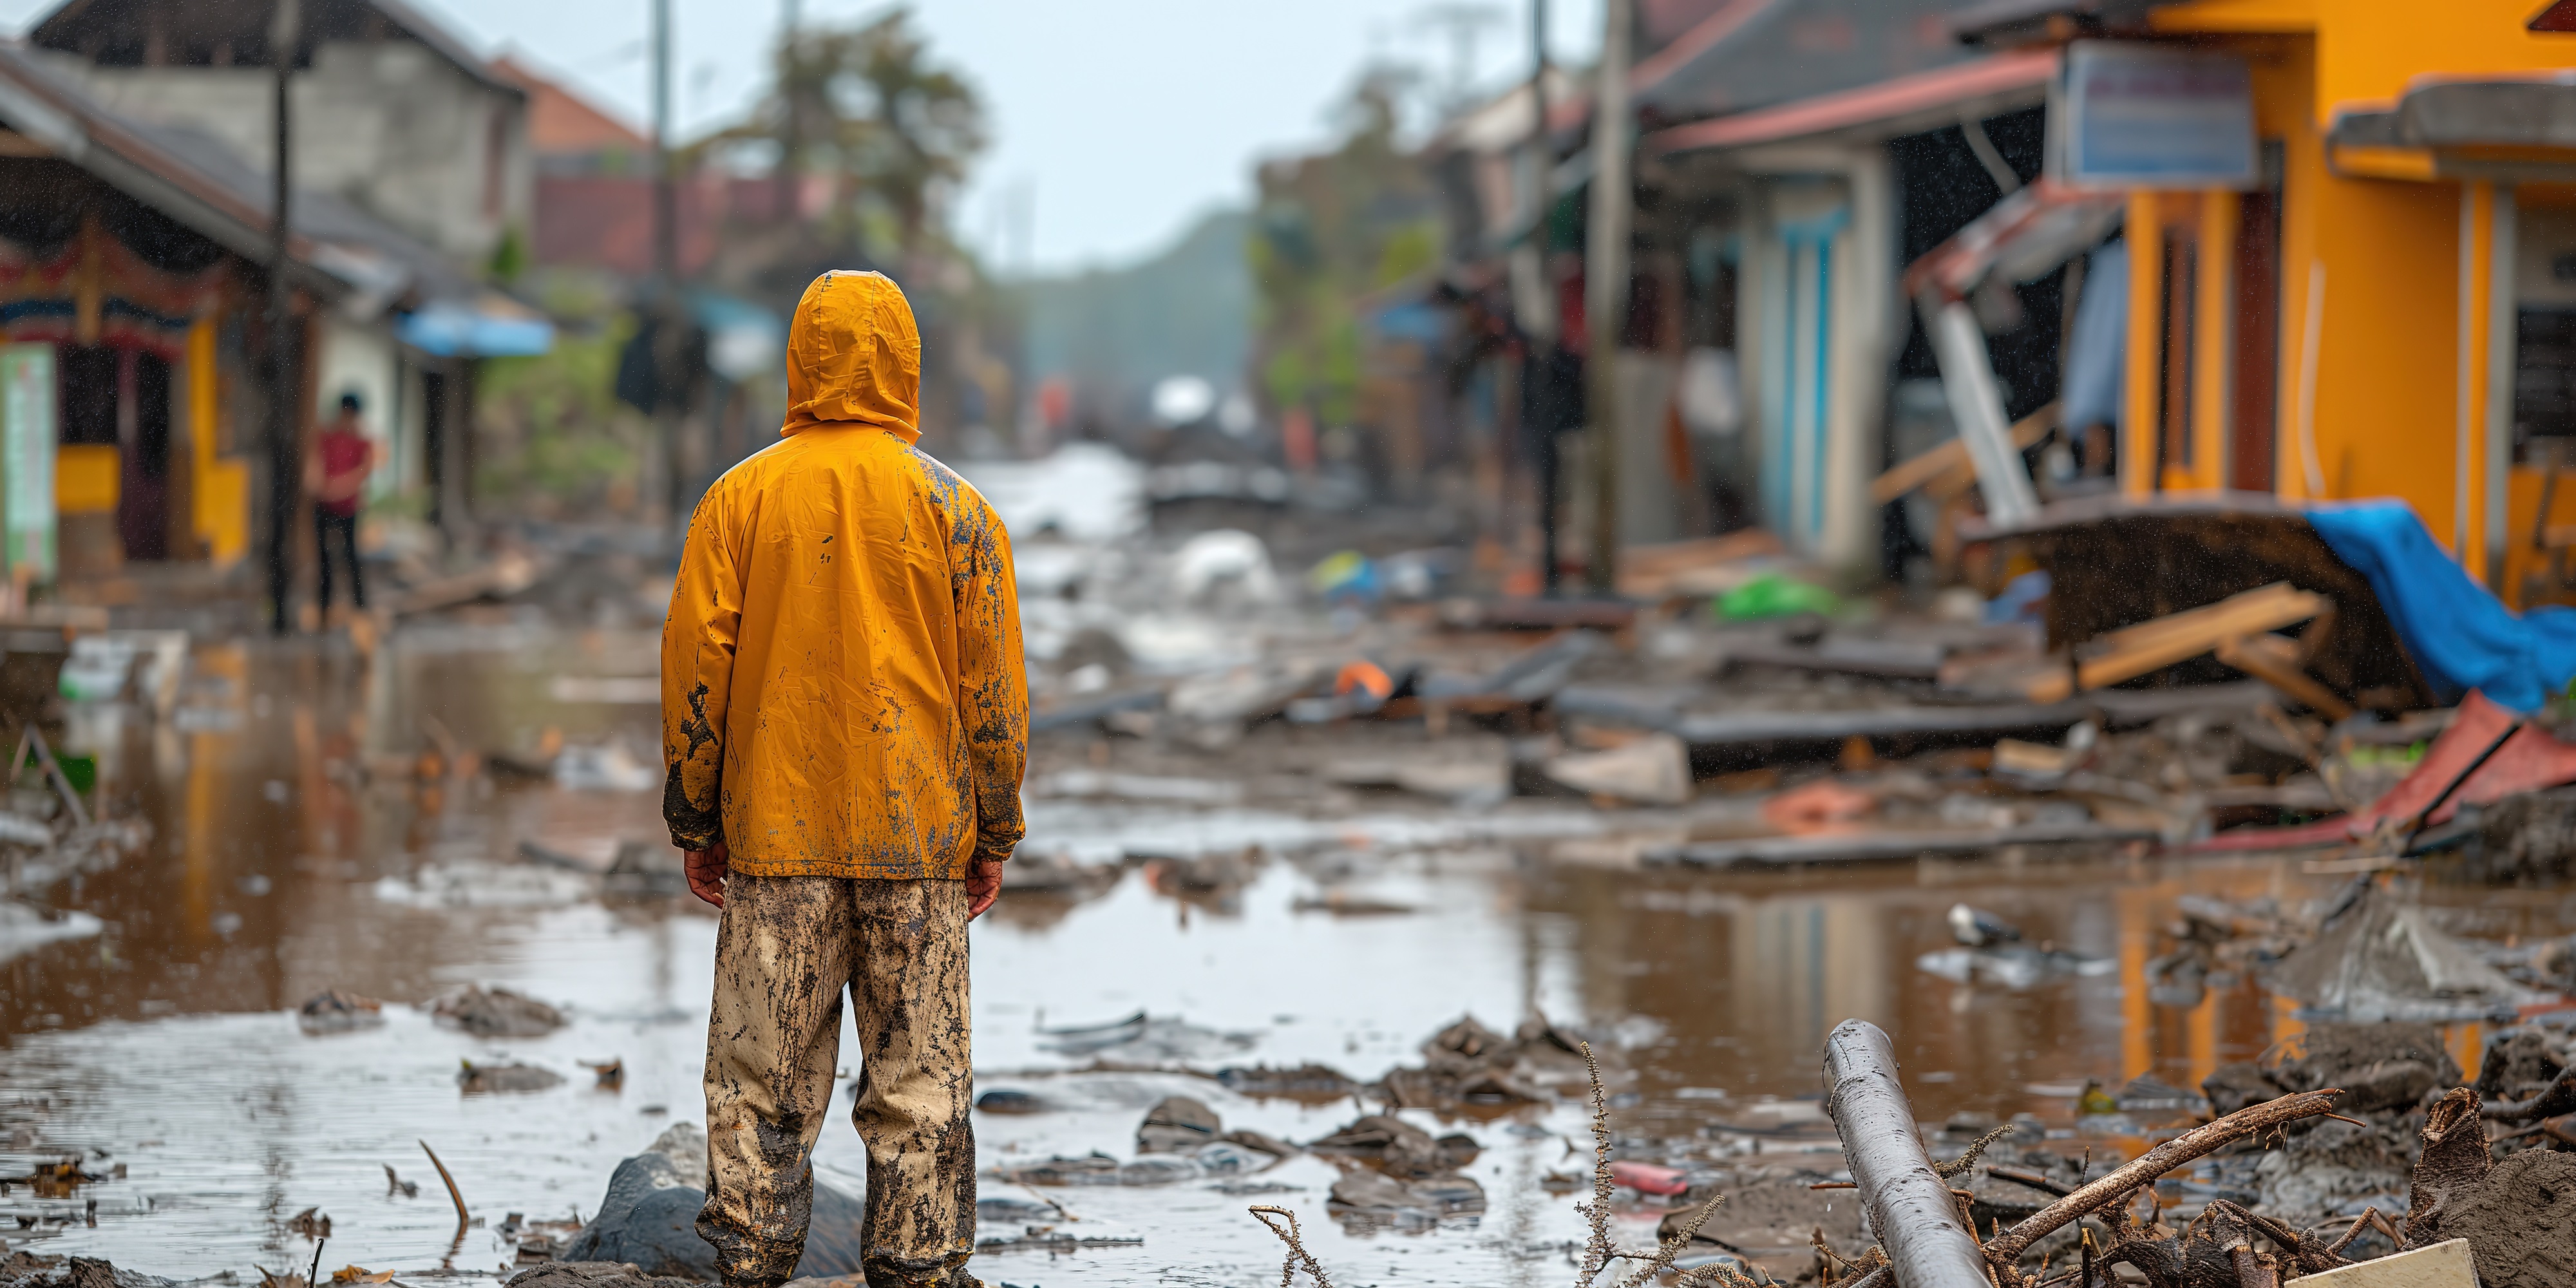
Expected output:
(285, 438)
(1605, 286)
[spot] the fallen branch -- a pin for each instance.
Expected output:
(452, 1193)
(2004, 1250)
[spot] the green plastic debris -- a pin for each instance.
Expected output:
(1774, 595)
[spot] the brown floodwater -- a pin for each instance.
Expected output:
(299, 844)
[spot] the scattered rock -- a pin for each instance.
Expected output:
(1267, 1144)
(2519, 1064)
(1006, 1101)
(2334, 1168)
(486, 1079)
(1469, 1064)
(646, 869)
(2231, 1087)
(648, 1219)
(1304, 1082)
(495, 1013)
(24, 1269)
(1362, 1191)
(1178, 1125)
(1100, 1169)
(596, 1274)
(1388, 1141)
(333, 1011)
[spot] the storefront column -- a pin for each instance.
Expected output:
(2141, 428)
(2213, 341)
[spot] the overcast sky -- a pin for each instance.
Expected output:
(1124, 119)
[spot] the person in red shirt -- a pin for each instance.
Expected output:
(336, 475)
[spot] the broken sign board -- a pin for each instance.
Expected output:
(2131, 115)
(2444, 1265)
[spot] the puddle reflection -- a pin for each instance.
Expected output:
(322, 821)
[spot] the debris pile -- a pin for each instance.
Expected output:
(1468, 1064)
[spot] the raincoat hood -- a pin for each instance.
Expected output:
(854, 356)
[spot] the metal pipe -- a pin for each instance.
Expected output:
(1977, 408)
(1910, 1206)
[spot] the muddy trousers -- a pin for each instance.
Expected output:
(785, 950)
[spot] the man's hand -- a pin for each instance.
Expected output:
(983, 886)
(707, 873)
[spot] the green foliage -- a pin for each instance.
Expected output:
(509, 258)
(1332, 230)
(1411, 249)
(554, 438)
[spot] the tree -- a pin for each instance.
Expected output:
(867, 105)
(1332, 230)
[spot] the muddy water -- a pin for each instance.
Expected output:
(297, 846)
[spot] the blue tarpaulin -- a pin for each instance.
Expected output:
(2461, 636)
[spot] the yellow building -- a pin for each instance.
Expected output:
(2389, 309)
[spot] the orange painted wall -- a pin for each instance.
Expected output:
(2384, 418)
(2386, 411)
(2367, 50)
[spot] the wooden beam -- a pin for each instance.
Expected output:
(1951, 457)
(2275, 661)
(2151, 646)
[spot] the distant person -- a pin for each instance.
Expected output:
(343, 457)
(845, 720)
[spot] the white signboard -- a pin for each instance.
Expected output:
(27, 435)
(2132, 115)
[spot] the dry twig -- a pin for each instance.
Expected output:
(1597, 1250)
(1298, 1258)
(2005, 1250)
(1661, 1260)
(2359, 1224)
(452, 1194)
(1963, 1162)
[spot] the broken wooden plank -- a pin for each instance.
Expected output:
(1867, 846)
(1894, 721)
(1911, 1209)
(1888, 659)
(1689, 567)
(2138, 650)
(2275, 661)
(1951, 456)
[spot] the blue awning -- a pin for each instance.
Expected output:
(485, 328)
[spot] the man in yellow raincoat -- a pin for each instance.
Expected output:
(845, 718)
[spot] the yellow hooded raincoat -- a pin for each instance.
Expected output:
(842, 685)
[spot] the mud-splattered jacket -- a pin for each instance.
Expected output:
(842, 684)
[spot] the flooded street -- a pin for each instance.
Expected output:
(306, 836)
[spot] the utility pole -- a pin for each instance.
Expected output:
(1538, 375)
(285, 448)
(669, 330)
(791, 128)
(1605, 286)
